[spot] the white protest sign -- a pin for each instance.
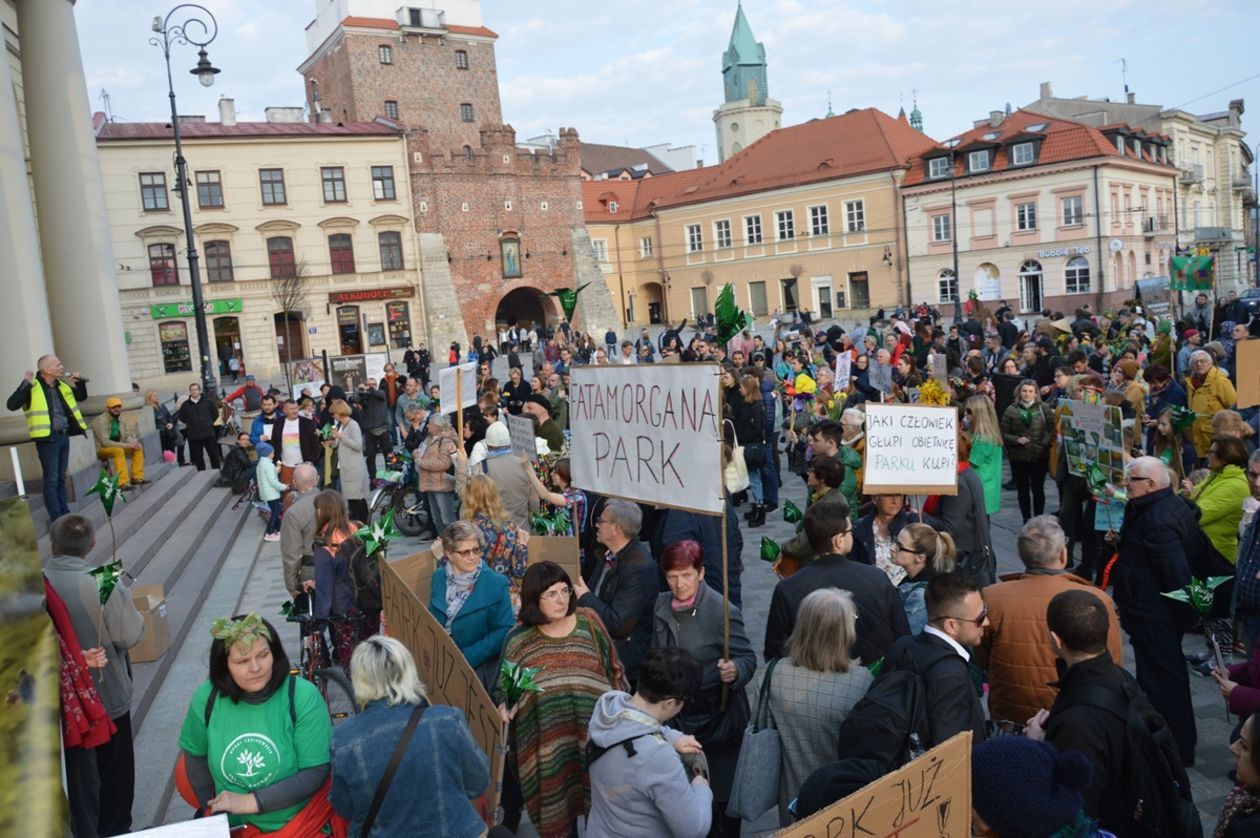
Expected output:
(880, 376)
(911, 449)
(648, 433)
(844, 363)
(446, 387)
(521, 430)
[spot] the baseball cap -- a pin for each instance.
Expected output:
(113, 401)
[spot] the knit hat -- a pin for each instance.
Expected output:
(1024, 788)
(1189, 333)
(497, 436)
(264, 448)
(1129, 367)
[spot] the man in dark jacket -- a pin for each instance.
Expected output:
(376, 422)
(881, 618)
(623, 587)
(956, 622)
(1007, 329)
(677, 525)
(1159, 536)
(198, 413)
(302, 445)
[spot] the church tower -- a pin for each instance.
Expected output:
(748, 113)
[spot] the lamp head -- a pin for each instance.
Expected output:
(204, 71)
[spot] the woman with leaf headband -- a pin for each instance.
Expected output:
(255, 742)
(1169, 440)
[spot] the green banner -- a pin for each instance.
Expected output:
(163, 311)
(1193, 273)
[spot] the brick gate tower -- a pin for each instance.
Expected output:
(497, 226)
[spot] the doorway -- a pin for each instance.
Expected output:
(822, 297)
(860, 290)
(653, 295)
(290, 336)
(699, 301)
(520, 307)
(788, 288)
(349, 330)
(227, 343)
(1030, 278)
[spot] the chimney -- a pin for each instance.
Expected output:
(1045, 91)
(995, 118)
(227, 111)
(1130, 97)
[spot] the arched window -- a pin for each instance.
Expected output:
(1030, 286)
(947, 286)
(218, 261)
(1076, 276)
(468, 152)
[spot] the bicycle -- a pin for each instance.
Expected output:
(316, 664)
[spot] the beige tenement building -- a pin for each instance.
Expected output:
(305, 233)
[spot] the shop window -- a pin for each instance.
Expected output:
(399, 324)
(176, 356)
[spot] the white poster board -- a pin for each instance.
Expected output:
(648, 433)
(844, 365)
(521, 430)
(447, 387)
(911, 449)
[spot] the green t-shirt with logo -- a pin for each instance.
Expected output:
(252, 746)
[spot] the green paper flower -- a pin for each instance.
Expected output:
(568, 299)
(1199, 594)
(770, 549)
(792, 513)
(325, 433)
(107, 576)
(876, 667)
(378, 535)
(240, 632)
(730, 319)
(516, 680)
(1182, 418)
(107, 488)
(286, 610)
(555, 523)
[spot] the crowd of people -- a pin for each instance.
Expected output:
(641, 715)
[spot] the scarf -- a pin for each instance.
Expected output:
(684, 604)
(1026, 413)
(459, 587)
(1241, 801)
(84, 722)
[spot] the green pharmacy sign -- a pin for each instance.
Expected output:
(165, 311)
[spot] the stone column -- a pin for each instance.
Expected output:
(82, 286)
(27, 332)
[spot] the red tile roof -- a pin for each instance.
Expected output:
(387, 23)
(201, 130)
(1064, 140)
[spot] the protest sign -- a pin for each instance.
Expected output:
(880, 376)
(521, 429)
(940, 370)
(911, 449)
(405, 588)
(348, 372)
(307, 376)
(1092, 435)
(561, 549)
(844, 366)
(1248, 360)
(648, 433)
(928, 797)
(447, 387)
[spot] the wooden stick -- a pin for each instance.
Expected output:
(726, 604)
(459, 404)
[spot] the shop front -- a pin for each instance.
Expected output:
(373, 319)
(176, 333)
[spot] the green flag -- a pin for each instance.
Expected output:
(107, 487)
(1192, 273)
(568, 299)
(731, 320)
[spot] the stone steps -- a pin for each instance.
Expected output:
(129, 516)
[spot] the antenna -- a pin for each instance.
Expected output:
(1124, 73)
(109, 111)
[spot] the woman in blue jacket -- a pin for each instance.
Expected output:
(471, 601)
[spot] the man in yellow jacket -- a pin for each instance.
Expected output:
(115, 440)
(52, 417)
(1208, 392)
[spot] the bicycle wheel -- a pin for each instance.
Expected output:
(335, 688)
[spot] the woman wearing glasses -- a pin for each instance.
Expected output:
(471, 601)
(922, 552)
(577, 663)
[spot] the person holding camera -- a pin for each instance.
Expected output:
(376, 415)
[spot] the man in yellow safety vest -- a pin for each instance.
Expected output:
(51, 405)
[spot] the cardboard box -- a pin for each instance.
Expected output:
(150, 601)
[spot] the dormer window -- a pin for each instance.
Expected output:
(978, 161)
(938, 167)
(1022, 154)
(1120, 144)
(1137, 149)
(612, 206)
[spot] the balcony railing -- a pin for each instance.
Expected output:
(1192, 173)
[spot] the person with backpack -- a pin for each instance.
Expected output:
(1138, 787)
(645, 779)
(334, 555)
(471, 601)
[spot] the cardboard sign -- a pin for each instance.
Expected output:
(940, 370)
(844, 366)
(307, 376)
(521, 429)
(560, 549)
(1248, 361)
(911, 449)
(880, 376)
(648, 433)
(447, 388)
(1093, 434)
(405, 588)
(929, 797)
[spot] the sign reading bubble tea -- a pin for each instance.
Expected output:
(648, 433)
(911, 449)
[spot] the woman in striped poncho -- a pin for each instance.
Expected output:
(578, 663)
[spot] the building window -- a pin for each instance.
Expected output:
(855, 216)
(218, 261)
(391, 251)
(176, 356)
(1026, 216)
(386, 53)
(722, 233)
(947, 286)
(601, 249)
(334, 181)
(941, 231)
(695, 239)
(280, 257)
(978, 161)
(272, 183)
(818, 222)
(645, 247)
(341, 253)
(938, 167)
(391, 109)
(466, 112)
(1077, 275)
(752, 229)
(153, 192)
(461, 59)
(613, 206)
(209, 190)
(1022, 154)
(383, 183)
(785, 223)
(1073, 211)
(757, 299)
(162, 264)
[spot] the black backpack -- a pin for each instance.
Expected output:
(1154, 797)
(365, 575)
(890, 723)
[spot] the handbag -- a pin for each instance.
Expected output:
(755, 455)
(391, 769)
(735, 475)
(755, 787)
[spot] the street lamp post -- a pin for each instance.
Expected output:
(190, 29)
(1255, 238)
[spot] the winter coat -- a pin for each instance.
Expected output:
(951, 700)
(624, 599)
(1015, 649)
(435, 463)
(680, 524)
(483, 622)
(963, 517)
(198, 417)
(351, 464)
(986, 461)
(269, 486)
(1158, 536)
(1244, 699)
(1219, 499)
(768, 403)
(1039, 431)
(1216, 394)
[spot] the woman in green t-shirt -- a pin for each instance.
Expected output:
(256, 740)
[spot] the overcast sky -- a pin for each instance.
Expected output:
(649, 71)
